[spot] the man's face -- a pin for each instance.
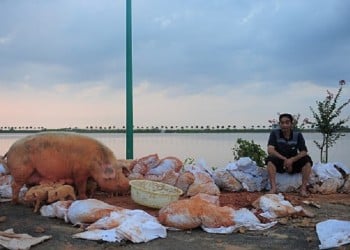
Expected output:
(285, 124)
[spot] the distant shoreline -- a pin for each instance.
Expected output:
(150, 131)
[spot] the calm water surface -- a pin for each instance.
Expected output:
(214, 149)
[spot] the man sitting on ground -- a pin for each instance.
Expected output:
(287, 152)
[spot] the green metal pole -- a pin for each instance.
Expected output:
(129, 92)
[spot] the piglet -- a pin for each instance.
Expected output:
(61, 193)
(37, 195)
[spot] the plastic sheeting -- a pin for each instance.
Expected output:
(333, 233)
(107, 222)
(134, 225)
(3, 169)
(275, 206)
(10, 240)
(252, 177)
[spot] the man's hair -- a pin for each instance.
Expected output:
(289, 116)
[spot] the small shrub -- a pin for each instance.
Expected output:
(250, 149)
(328, 121)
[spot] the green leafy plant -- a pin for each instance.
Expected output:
(189, 161)
(250, 149)
(326, 121)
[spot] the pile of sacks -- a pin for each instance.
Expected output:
(191, 178)
(195, 177)
(244, 174)
(204, 211)
(240, 175)
(330, 178)
(102, 221)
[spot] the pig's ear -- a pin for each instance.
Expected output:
(132, 164)
(126, 171)
(108, 172)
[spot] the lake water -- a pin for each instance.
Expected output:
(214, 148)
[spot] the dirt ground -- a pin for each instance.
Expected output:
(289, 233)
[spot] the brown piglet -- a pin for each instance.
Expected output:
(37, 195)
(61, 193)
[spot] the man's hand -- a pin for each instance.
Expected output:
(288, 165)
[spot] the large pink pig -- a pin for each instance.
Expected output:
(64, 157)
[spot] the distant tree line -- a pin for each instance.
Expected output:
(155, 129)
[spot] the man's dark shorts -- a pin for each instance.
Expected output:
(297, 166)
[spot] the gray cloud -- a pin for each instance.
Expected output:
(84, 39)
(193, 44)
(235, 42)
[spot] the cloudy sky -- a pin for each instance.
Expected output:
(195, 62)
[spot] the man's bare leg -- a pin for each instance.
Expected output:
(305, 172)
(271, 170)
